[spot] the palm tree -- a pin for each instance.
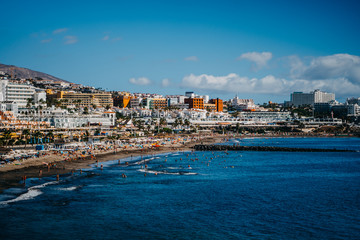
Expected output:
(42, 101)
(187, 122)
(163, 122)
(193, 128)
(57, 102)
(60, 135)
(176, 123)
(148, 128)
(26, 135)
(141, 124)
(97, 132)
(6, 136)
(37, 134)
(181, 122)
(50, 135)
(30, 102)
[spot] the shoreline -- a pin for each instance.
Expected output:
(13, 177)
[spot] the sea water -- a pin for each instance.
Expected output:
(198, 195)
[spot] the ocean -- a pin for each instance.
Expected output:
(198, 195)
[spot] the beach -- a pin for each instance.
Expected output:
(50, 164)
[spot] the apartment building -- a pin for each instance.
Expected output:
(218, 104)
(299, 98)
(159, 103)
(85, 99)
(196, 103)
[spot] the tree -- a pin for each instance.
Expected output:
(176, 123)
(6, 136)
(50, 135)
(60, 135)
(77, 103)
(42, 101)
(57, 102)
(26, 134)
(187, 122)
(38, 135)
(163, 122)
(30, 102)
(97, 132)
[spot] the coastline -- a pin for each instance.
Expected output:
(13, 177)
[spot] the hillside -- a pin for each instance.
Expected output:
(20, 72)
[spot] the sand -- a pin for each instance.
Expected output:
(12, 175)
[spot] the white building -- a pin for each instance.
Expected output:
(206, 98)
(353, 109)
(9, 106)
(3, 84)
(299, 98)
(243, 104)
(265, 116)
(61, 118)
(195, 114)
(19, 93)
(39, 95)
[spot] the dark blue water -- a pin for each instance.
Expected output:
(239, 195)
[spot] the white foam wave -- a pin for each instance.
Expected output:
(30, 194)
(166, 173)
(69, 188)
(43, 185)
(26, 196)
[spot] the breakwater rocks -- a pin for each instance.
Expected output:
(263, 148)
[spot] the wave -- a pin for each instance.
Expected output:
(26, 196)
(30, 194)
(166, 173)
(70, 188)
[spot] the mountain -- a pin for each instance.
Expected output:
(20, 72)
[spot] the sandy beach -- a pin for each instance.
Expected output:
(11, 175)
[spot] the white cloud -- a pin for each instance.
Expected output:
(105, 38)
(165, 82)
(269, 84)
(328, 67)
(260, 59)
(70, 39)
(339, 73)
(60, 30)
(140, 81)
(192, 58)
(46, 40)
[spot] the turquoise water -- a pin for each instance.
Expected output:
(199, 195)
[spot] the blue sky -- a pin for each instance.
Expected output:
(256, 49)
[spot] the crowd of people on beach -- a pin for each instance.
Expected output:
(80, 150)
